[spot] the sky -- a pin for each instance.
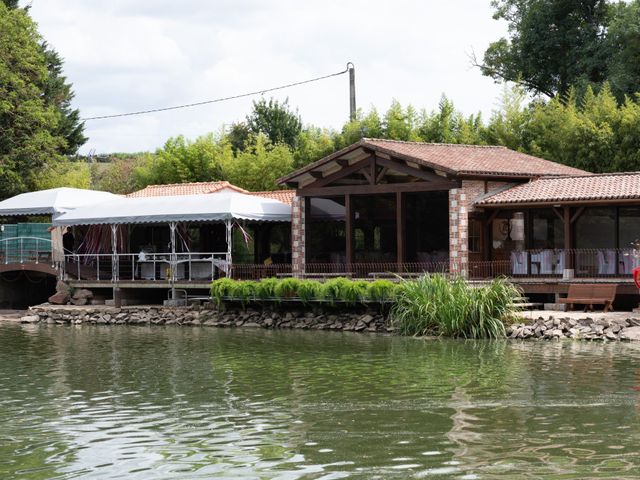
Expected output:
(130, 55)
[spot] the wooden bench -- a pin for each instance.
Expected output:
(589, 294)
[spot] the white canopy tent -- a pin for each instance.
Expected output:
(219, 207)
(225, 207)
(53, 201)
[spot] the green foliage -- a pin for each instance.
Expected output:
(287, 288)
(63, 174)
(552, 44)
(245, 291)
(343, 289)
(434, 304)
(117, 175)
(259, 166)
(310, 290)
(29, 137)
(221, 288)
(276, 121)
(266, 288)
(380, 290)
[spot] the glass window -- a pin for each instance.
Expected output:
(547, 230)
(475, 227)
(596, 228)
(427, 227)
(375, 235)
(325, 230)
(629, 226)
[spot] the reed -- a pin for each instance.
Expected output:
(435, 305)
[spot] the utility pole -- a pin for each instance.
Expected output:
(352, 91)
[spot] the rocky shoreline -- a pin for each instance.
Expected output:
(603, 328)
(355, 321)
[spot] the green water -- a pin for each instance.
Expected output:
(140, 403)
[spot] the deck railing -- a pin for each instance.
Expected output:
(191, 267)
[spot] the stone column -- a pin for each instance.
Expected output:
(458, 233)
(298, 236)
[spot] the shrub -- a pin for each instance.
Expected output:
(222, 287)
(265, 288)
(342, 289)
(245, 291)
(310, 290)
(380, 290)
(435, 305)
(287, 288)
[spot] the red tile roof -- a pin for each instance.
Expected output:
(460, 160)
(195, 188)
(284, 196)
(584, 188)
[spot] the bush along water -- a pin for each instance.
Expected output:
(430, 305)
(435, 305)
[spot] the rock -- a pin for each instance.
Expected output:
(62, 287)
(366, 319)
(79, 301)
(252, 325)
(82, 293)
(630, 333)
(610, 334)
(59, 298)
(30, 319)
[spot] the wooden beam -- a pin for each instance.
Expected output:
(348, 230)
(316, 174)
(493, 215)
(576, 215)
(402, 167)
(374, 169)
(375, 189)
(343, 162)
(381, 174)
(400, 228)
(558, 214)
(568, 239)
(339, 174)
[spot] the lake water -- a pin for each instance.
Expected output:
(146, 403)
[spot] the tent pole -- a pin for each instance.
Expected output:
(173, 261)
(229, 227)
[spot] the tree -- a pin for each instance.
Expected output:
(623, 49)
(181, 161)
(29, 137)
(258, 167)
(276, 121)
(552, 44)
(57, 92)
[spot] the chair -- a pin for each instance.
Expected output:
(606, 262)
(519, 262)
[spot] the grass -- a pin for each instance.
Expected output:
(436, 305)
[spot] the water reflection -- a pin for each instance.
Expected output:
(142, 402)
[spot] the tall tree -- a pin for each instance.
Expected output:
(276, 121)
(623, 49)
(552, 44)
(28, 124)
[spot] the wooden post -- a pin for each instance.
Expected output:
(568, 239)
(348, 230)
(400, 229)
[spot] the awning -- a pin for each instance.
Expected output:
(218, 207)
(52, 202)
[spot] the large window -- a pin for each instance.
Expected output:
(547, 230)
(427, 227)
(325, 230)
(596, 228)
(375, 234)
(629, 226)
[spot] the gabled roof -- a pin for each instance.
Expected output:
(576, 188)
(195, 188)
(455, 160)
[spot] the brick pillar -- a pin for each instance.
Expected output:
(458, 233)
(297, 236)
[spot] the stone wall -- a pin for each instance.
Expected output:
(355, 320)
(585, 328)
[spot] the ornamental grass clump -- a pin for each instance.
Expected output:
(287, 288)
(245, 291)
(344, 290)
(221, 288)
(434, 304)
(265, 289)
(381, 290)
(309, 290)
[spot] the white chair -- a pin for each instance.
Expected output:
(606, 262)
(519, 262)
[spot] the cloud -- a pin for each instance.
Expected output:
(126, 55)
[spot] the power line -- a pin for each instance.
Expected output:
(223, 99)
